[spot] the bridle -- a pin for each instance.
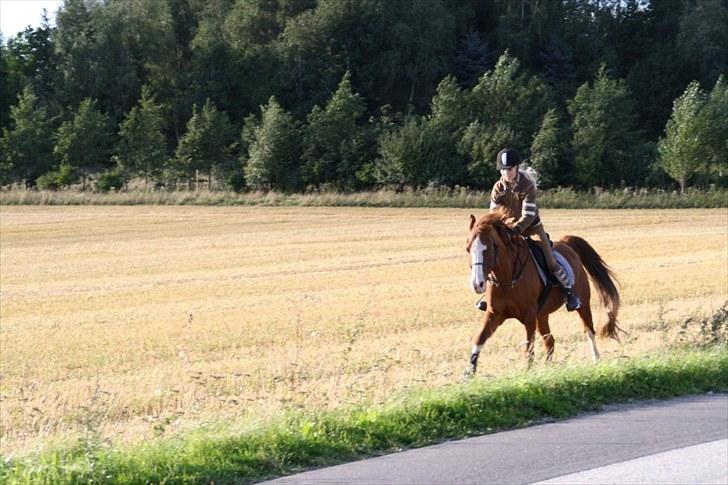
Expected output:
(519, 265)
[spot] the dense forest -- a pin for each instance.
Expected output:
(348, 95)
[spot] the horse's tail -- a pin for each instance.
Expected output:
(603, 279)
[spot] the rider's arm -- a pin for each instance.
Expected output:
(529, 210)
(496, 196)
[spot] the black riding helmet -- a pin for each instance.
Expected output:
(507, 158)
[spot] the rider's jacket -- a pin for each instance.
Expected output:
(519, 201)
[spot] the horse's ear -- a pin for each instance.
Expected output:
(472, 222)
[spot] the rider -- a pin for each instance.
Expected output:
(515, 191)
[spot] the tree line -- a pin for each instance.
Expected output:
(355, 94)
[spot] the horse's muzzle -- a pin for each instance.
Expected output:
(478, 286)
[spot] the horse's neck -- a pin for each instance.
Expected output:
(511, 262)
(504, 266)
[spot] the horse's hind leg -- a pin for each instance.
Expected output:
(586, 318)
(530, 324)
(548, 339)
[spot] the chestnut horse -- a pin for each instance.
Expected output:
(503, 269)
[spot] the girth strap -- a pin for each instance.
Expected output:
(544, 295)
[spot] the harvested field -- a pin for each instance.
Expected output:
(131, 322)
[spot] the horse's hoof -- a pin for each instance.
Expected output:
(469, 373)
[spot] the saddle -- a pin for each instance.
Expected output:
(544, 272)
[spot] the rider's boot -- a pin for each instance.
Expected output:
(572, 301)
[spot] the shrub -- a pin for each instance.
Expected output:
(112, 179)
(54, 180)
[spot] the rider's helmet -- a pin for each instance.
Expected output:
(507, 158)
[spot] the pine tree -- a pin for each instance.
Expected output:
(84, 142)
(9, 82)
(31, 53)
(334, 148)
(205, 147)
(473, 58)
(142, 148)
(26, 150)
(703, 38)
(547, 150)
(558, 63)
(606, 140)
(683, 151)
(445, 164)
(274, 153)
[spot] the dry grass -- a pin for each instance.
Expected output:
(126, 322)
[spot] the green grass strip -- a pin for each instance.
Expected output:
(302, 440)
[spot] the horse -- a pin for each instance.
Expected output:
(500, 256)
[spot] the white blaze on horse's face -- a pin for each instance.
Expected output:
(477, 271)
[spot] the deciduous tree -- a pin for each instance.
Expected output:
(510, 99)
(682, 150)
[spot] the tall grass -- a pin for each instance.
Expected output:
(246, 453)
(441, 197)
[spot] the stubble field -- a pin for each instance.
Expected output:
(133, 322)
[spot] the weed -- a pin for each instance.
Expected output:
(714, 329)
(704, 331)
(91, 417)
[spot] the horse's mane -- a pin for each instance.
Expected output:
(495, 220)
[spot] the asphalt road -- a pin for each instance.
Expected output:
(681, 441)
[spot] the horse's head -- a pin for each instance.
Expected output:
(485, 236)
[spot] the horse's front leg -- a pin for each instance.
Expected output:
(490, 323)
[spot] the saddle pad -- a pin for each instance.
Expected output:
(541, 263)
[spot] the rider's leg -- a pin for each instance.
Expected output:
(539, 234)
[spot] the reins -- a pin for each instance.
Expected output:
(519, 274)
